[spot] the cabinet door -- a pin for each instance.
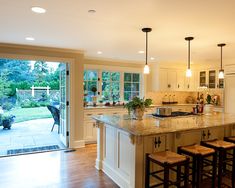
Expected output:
(90, 131)
(163, 82)
(202, 78)
(159, 143)
(212, 79)
(213, 133)
(172, 79)
(180, 80)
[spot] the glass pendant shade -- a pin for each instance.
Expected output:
(221, 71)
(146, 69)
(188, 73)
(221, 74)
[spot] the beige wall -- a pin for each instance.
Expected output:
(75, 60)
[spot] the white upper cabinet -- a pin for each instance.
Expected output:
(210, 79)
(180, 86)
(173, 80)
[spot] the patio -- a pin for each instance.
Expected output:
(29, 134)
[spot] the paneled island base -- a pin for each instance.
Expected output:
(122, 142)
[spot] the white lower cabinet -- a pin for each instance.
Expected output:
(90, 129)
(213, 133)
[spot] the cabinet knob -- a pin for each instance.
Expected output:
(155, 142)
(203, 135)
(178, 86)
(208, 134)
(169, 85)
(159, 142)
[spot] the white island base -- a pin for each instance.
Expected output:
(121, 155)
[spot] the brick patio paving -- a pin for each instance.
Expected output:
(29, 134)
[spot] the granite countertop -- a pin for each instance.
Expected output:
(152, 126)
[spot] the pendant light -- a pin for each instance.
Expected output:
(189, 72)
(221, 71)
(146, 67)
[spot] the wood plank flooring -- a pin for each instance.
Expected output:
(54, 170)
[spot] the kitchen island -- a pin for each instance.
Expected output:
(122, 141)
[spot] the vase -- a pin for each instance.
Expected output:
(138, 113)
(208, 108)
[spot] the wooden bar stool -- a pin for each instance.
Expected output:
(223, 148)
(200, 159)
(170, 162)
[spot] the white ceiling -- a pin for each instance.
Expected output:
(115, 28)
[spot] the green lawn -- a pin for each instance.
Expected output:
(25, 114)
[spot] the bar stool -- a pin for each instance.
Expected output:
(222, 148)
(200, 158)
(170, 162)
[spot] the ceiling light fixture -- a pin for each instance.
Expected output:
(99, 52)
(152, 58)
(29, 38)
(91, 11)
(221, 71)
(189, 72)
(38, 10)
(146, 67)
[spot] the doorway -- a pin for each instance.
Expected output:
(34, 99)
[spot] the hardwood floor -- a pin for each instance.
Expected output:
(54, 169)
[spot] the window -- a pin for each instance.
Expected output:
(131, 85)
(90, 78)
(110, 86)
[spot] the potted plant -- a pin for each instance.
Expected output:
(137, 106)
(94, 97)
(7, 121)
(208, 107)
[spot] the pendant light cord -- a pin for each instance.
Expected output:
(189, 54)
(221, 56)
(146, 47)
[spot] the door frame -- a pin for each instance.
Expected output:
(41, 53)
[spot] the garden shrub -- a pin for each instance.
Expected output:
(7, 106)
(29, 104)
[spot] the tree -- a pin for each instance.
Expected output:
(40, 71)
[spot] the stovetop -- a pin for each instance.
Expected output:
(175, 114)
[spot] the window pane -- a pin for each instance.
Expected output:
(127, 77)
(135, 87)
(85, 86)
(127, 86)
(115, 96)
(92, 75)
(127, 96)
(136, 77)
(91, 85)
(115, 86)
(115, 76)
(106, 76)
(135, 94)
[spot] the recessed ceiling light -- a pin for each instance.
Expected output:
(141, 52)
(30, 38)
(38, 10)
(152, 58)
(99, 52)
(92, 11)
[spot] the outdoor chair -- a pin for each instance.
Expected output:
(55, 112)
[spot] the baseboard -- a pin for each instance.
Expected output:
(119, 180)
(78, 144)
(98, 164)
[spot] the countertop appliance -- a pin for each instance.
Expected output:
(163, 111)
(175, 114)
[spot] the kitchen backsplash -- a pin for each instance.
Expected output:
(182, 97)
